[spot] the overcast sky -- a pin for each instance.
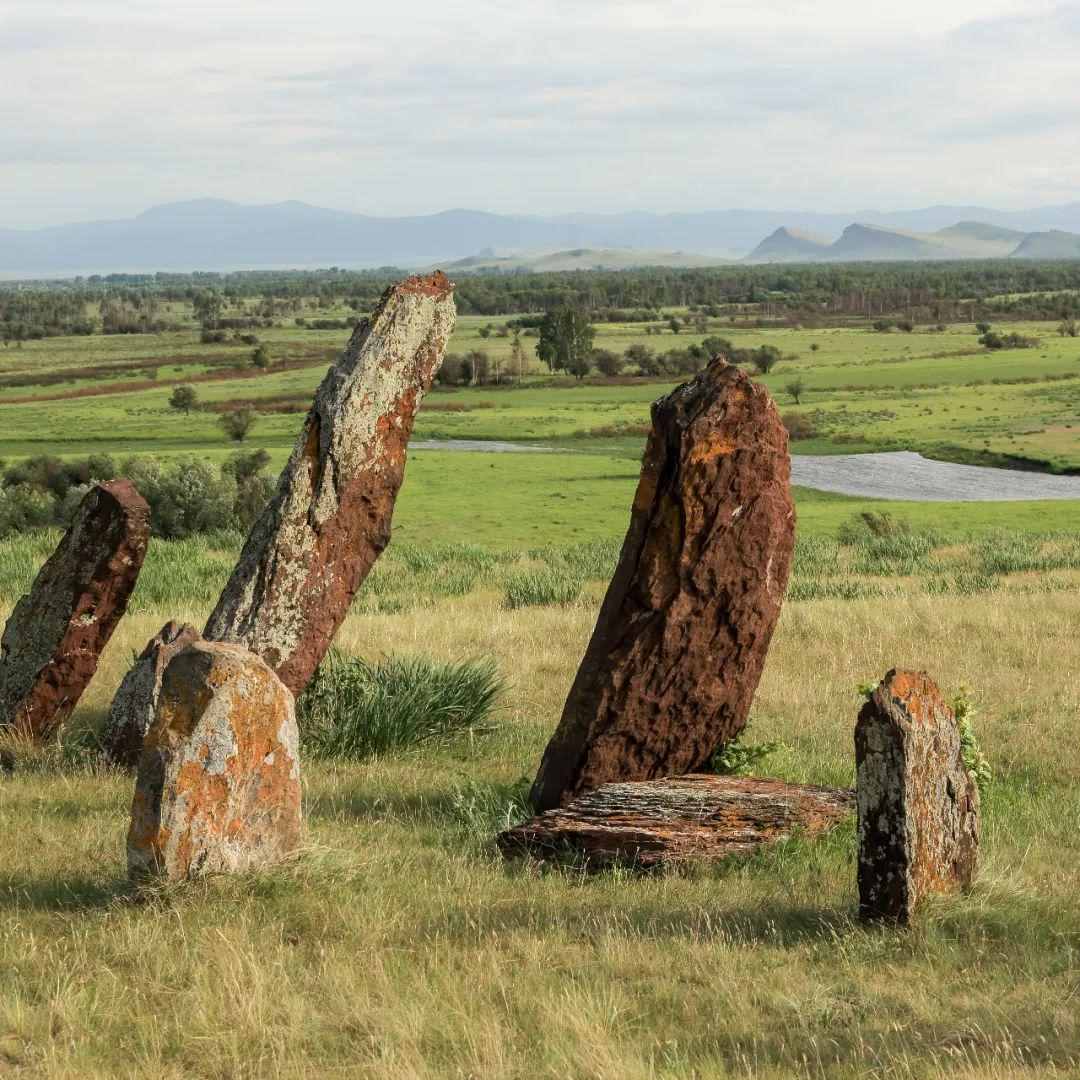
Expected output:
(548, 106)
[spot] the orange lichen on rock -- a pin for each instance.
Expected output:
(329, 521)
(218, 785)
(677, 652)
(918, 805)
(654, 822)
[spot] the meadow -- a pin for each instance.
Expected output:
(399, 944)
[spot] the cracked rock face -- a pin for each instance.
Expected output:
(918, 807)
(679, 645)
(218, 786)
(650, 823)
(136, 700)
(307, 555)
(54, 638)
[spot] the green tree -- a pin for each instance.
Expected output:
(765, 358)
(260, 357)
(237, 423)
(208, 306)
(566, 341)
(184, 399)
(796, 388)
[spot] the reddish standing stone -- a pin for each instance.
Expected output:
(330, 519)
(218, 787)
(918, 806)
(680, 642)
(57, 632)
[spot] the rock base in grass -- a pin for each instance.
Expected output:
(650, 823)
(218, 786)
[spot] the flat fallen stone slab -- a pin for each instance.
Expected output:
(654, 822)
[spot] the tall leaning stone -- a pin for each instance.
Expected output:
(918, 808)
(218, 787)
(307, 555)
(678, 648)
(55, 636)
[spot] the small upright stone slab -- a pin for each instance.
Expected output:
(314, 544)
(55, 636)
(671, 670)
(918, 807)
(136, 699)
(218, 786)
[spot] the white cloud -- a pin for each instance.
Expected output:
(109, 106)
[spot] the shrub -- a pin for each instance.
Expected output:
(236, 423)
(354, 708)
(542, 588)
(799, 426)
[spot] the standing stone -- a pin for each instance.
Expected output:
(218, 785)
(58, 631)
(330, 519)
(679, 645)
(136, 700)
(918, 806)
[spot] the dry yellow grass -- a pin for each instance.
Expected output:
(399, 947)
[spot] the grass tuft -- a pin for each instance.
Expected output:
(542, 588)
(354, 709)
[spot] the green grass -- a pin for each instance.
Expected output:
(355, 709)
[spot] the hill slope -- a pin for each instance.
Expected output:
(214, 234)
(789, 245)
(1049, 245)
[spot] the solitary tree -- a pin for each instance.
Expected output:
(238, 422)
(566, 341)
(796, 388)
(184, 399)
(260, 357)
(208, 306)
(765, 358)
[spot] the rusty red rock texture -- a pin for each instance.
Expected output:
(218, 786)
(135, 702)
(651, 823)
(310, 551)
(675, 658)
(918, 808)
(54, 638)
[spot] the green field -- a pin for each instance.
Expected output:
(930, 390)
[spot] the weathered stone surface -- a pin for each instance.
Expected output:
(57, 632)
(679, 645)
(330, 519)
(135, 703)
(218, 785)
(653, 822)
(918, 806)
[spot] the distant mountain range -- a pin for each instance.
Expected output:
(213, 234)
(874, 243)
